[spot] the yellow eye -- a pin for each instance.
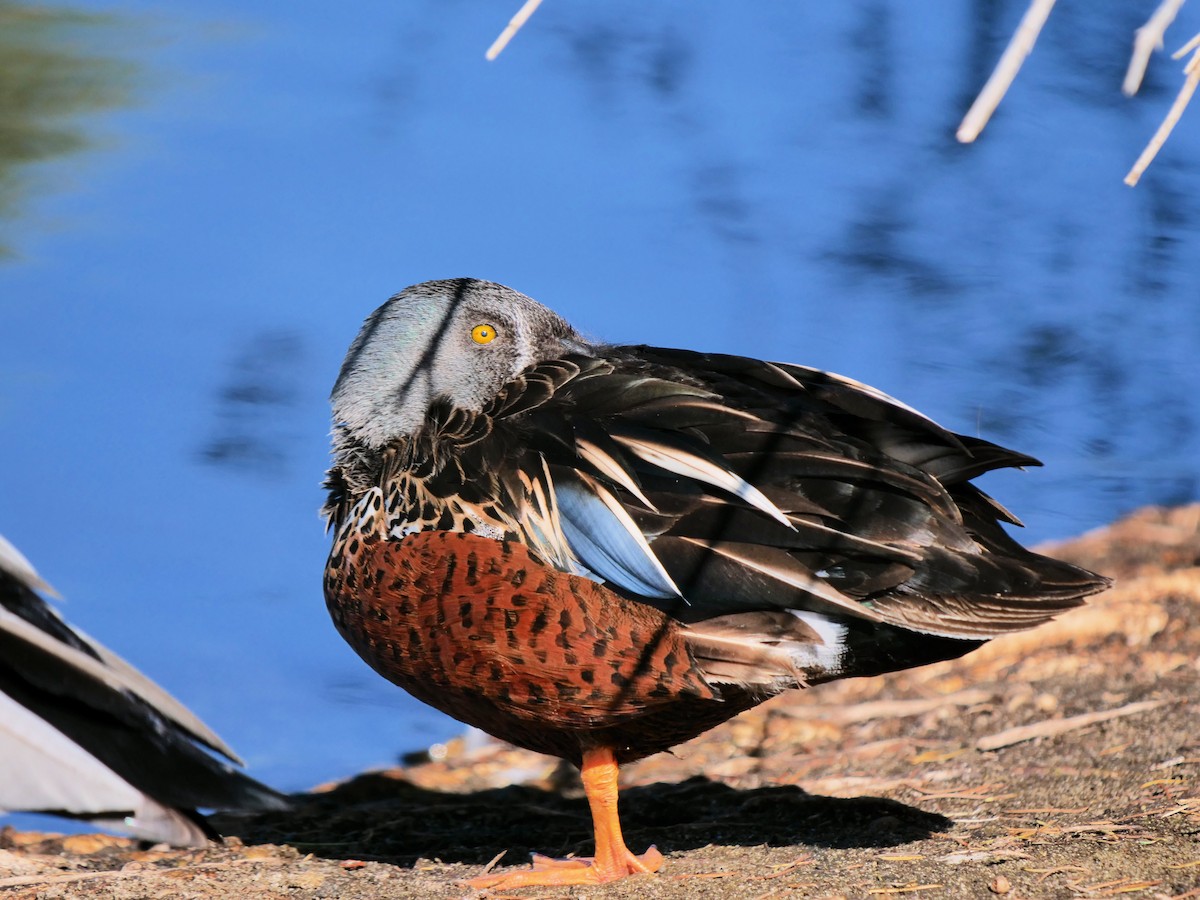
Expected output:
(483, 334)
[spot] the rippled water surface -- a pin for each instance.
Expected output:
(201, 202)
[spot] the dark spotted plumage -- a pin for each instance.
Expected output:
(577, 546)
(480, 629)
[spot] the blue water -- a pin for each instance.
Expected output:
(778, 180)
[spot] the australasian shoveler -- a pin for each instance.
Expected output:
(600, 551)
(84, 734)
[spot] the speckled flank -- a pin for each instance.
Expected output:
(540, 658)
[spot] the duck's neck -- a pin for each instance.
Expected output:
(356, 468)
(417, 485)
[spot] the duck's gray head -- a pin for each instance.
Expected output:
(459, 340)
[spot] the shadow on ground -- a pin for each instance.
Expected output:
(376, 817)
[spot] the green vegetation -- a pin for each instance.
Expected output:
(54, 69)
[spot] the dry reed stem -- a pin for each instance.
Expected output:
(1192, 71)
(513, 26)
(1006, 70)
(1146, 40)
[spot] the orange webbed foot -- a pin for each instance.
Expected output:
(550, 872)
(613, 859)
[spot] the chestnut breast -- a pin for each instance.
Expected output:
(484, 632)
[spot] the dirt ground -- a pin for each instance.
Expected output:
(1064, 762)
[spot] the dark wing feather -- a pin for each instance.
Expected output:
(854, 505)
(100, 723)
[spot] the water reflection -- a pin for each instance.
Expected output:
(876, 247)
(53, 70)
(873, 36)
(262, 384)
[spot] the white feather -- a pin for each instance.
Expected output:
(55, 772)
(831, 652)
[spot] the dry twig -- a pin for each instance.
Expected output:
(513, 26)
(495, 859)
(1053, 727)
(1120, 886)
(1192, 71)
(1006, 70)
(1146, 40)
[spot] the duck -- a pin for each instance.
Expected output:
(600, 551)
(85, 735)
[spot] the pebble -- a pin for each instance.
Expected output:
(86, 844)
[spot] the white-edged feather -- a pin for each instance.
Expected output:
(13, 562)
(541, 521)
(117, 674)
(812, 586)
(58, 774)
(689, 465)
(860, 387)
(603, 462)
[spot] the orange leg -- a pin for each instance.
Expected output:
(613, 859)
